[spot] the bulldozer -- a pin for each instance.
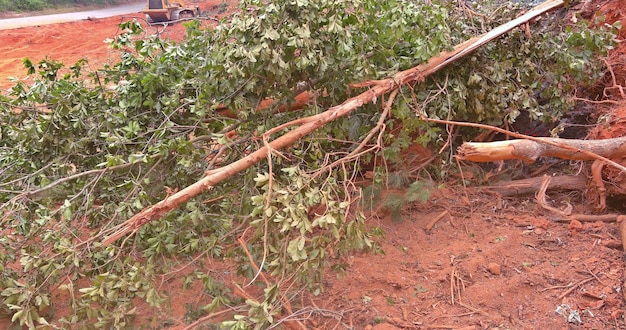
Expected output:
(162, 11)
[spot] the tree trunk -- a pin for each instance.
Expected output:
(608, 151)
(530, 150)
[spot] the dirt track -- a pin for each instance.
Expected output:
(17, 22)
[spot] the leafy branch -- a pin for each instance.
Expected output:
(305, 126)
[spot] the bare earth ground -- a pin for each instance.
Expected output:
(489, 263)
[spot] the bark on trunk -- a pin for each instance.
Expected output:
(608, 151)
(530, 150)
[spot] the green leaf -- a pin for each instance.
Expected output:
(271, 34)
(295, 249)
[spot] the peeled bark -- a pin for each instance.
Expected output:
(530, 150)
(608, 151)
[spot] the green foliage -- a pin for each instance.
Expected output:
(17, 294)
(309, 219)
(21, 5)
(518, 74)
(83, 151)
(393, 193)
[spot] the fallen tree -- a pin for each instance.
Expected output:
(308, 125)
(80, 157)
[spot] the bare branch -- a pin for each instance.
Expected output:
(30, 193)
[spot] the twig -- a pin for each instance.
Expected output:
(595, 102)
(268, 201)
(456, 286)
(615, 84)
(336, 315)
(434, 221)
(207, 318)
(63, 180)
(260, 273)
(399, 322)
(24, 178)
(590, 218)
(556, 287)
(622, 226)
(453, 315)
(252, 262)
(221, 149)
(451, 327)
(452, 285)
(475, 309)
(358, 151)
(173, 273)
(594, 275)
(574, 286)
(308, 310)
(211, 200)
(458, 164)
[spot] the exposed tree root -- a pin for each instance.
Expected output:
(433, 222)
(574, 286)
(541, 199)
(590, 218)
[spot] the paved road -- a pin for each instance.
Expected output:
(12, 23)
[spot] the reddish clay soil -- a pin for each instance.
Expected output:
(69, 42)
(489, 263)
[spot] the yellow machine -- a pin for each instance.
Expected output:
(163, 11)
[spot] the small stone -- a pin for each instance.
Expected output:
(494, 268)
(575, 225)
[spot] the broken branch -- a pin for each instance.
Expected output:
(310, 124)
(531, 149)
